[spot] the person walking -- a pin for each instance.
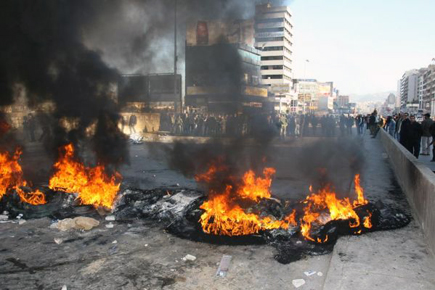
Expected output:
(372, 123)
(283, 129)
(31, 127)
(132, 123)
(426, 138)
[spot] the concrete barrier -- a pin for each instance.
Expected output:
(418, 183)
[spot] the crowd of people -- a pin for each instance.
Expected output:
(284, 124)
(415, 137)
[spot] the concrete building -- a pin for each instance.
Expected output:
(273, 38)
(398, 97)
(223, 68)
(408, 90)
(429, 90)
(306, 91)
(152, 91)
(420, 88)
(343, 101)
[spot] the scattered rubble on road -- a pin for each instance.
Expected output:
(78, 223)
(298, 282)
(224, 266)
(189, 257)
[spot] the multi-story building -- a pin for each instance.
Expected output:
(343, 101)
(306, 91)
(223, 67)
(429, 90)
(420, 88)
(273, 38)
(408, 90)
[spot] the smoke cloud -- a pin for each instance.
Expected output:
(43, 50)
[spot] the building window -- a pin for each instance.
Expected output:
(272, 58)
(268, 39)
(272, 77)
(273, 48)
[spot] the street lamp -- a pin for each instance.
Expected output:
(175, 59)
(305, 67)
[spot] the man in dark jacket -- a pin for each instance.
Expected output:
(416, 132)
(432, 132)
(405, 130)
(425, 139)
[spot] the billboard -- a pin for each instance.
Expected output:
(205, 33)
(148, 88)
(324, 89)
(161, 88)
(280, 88)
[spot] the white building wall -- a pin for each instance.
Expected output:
(274, 39)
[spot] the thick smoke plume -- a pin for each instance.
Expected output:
(136, 36)
(43, 50)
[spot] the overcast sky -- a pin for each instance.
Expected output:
(364, 46)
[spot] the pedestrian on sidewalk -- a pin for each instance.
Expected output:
(416, 132)
(432, 132)
(391, 126)
(405, 129)
(425, 139)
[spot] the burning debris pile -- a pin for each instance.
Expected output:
(92, 184)
(245, 212)
(11, 179)
(235, 209)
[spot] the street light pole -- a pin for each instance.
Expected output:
(305, 68)
(175, 59)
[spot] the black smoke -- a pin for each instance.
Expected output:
(43, 49)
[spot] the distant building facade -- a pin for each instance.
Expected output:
(223, 67)
(273, 38)
(429, 90)
(412, 90)
(152, 91)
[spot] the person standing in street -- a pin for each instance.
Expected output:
(132, 123)
(432, 132)
(416, 132)
(391, 126)
(405, 131)
(425, 139)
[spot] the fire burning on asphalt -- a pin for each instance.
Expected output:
(11, 179)
(231, 212)
(223, 214)
(324, 206)
(92, 184)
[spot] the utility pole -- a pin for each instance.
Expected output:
(175, 59)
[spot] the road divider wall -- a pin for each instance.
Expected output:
(418, 183)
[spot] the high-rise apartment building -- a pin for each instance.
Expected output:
(429, 90)
(273, 37)
(408, 89)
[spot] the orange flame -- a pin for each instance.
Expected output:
(223, 214)
(4, 126)
(360, 192)
(93, 185)
(325, 200)
(11, 178)
(368, 221)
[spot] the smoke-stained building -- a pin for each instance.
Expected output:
(223, 68)
(153, 91)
